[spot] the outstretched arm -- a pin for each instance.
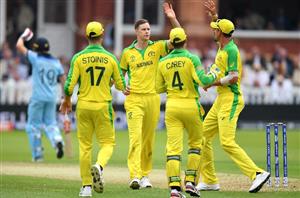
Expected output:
(230, 79)
(170, 13)
(211, 9)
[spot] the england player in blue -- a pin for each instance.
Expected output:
(46, 71)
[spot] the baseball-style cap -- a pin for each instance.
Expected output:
(225, 25)
(177, 35)
(94, 29)
(41, 45)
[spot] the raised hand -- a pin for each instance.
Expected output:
(27, 34)
(211, 7)
(168, 9)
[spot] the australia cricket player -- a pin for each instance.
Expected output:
(139, 61)
(93, 68)
(179, 74)
(223, 115)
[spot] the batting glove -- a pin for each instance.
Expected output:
(27, 35)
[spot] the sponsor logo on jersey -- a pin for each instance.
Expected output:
(144, 64)
(151, 54)
(132, 58)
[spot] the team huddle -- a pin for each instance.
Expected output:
(155, 67)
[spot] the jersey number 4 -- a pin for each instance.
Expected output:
(176, 82)
(91, 71)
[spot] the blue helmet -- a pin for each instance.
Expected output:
(41, 45)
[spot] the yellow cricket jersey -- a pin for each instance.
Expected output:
(93, 68)
(141, 65)
(180, 73)
(228, 59)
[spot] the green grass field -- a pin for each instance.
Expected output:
(15, 148)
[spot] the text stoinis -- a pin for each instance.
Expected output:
(94, 59)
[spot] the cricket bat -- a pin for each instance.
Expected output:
(68, 136)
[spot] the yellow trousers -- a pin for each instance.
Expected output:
(100, 122)
(222, 118)
(183, 114)
(142, 112)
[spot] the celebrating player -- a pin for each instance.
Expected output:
(142, 106)
(223, 115)
(42, 106)
(93, 67)
(179, 74)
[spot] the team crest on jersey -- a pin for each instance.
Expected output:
(132, 58)
(129, 115)
(151, 53)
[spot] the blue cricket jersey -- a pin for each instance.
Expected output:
(45, 73)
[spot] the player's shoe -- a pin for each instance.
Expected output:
(191, 189)
(38, 159)
(259, 181)
(145, 182)
(208, 187)
(59, 150)
(135, 184)
(177, 194)
(85, 191)
(98, 180)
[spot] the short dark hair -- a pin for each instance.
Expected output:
(94, 39)
(228, 35)
(178, 45)
(140, 22)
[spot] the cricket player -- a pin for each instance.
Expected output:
(140, 61)
(223, 115)
(93, 68)
(46, 70)
(179, 74)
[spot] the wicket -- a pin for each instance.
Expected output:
(276, 127)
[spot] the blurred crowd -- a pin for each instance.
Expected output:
(267, 78)
(252, 20)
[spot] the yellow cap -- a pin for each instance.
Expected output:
(94, 29)
(177, 35)
(225, 25)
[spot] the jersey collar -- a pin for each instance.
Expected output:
(231, 42)
(135, 41)
(178, 51)
(94, 46)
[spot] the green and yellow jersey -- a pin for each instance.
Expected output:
(93, 68)
(228, 59)
(180, 73)
(141, 65)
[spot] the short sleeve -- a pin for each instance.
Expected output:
(60, 68)
(232, 60)
(162, 47)
(32, 56)
(123, 61)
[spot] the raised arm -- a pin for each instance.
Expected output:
(170, 13)
(211, 9)
(25, 36)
